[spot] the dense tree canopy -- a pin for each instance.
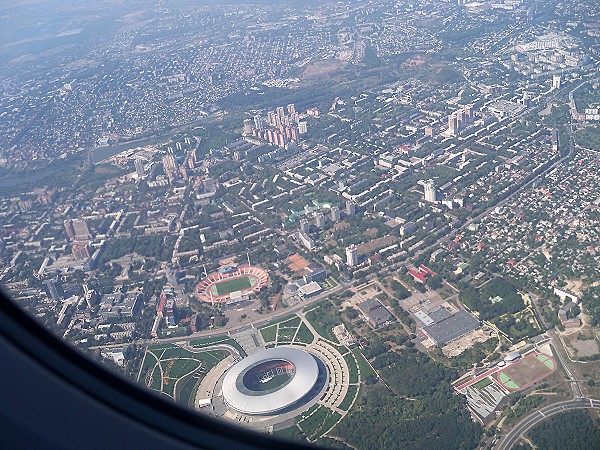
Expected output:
(573, 430)
(494, 299)
(429, 416)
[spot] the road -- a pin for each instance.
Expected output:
(575, 386)
(214, 332)
(534, 418)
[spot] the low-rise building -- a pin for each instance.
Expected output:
(375, 312)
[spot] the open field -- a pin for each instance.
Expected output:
(319, 422)
(352, 367)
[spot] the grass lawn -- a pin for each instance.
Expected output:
(156, 379)
(352, 367)
(186, 389)
(305, 414)
(349, 398)
(292, 322)
(205, 342)
(286, 334)
(202, 343)
(482, 383)
(269, 334)
(314, 306)
(291, 433)
(315, 422)
(177, 363)
(363, 365)
(149, 362)
(183, 367)
(289, 318)
(330, 421)
(323, 323)
(237, 284)
(304, 335)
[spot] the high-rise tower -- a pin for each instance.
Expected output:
(430, 193)
(352, 256)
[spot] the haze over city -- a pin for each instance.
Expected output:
(354, 224)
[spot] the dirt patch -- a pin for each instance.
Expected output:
(327, 68)
(458, 346)
(588, 347)
(414, 61)
(341, 226)
(228, 261)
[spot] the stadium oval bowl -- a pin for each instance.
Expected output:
(226, 274)
(239, 383)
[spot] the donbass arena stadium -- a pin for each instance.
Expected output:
(271, 381)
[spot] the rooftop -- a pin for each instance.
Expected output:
(452, 327)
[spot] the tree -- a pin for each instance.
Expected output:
(435, 282)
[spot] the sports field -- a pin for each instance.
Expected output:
(218, 286)
(529, 370)
(234, 285)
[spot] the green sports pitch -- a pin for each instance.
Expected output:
(237, 284)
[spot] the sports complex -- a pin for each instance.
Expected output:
(272, 381)
(231, 283)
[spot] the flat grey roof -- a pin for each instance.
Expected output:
(375, 311)
(439, 314)
(452, 327)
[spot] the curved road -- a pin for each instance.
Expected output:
(534, 418)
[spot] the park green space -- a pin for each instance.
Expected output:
(352, 367)
(364, 367)
(483, 383)
(319, 422)
(349, 398)
(304, 335)
(166, 367)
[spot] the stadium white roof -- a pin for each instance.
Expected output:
(245, 401)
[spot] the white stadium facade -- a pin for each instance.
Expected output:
(271, 381)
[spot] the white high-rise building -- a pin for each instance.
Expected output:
(352, 256)
(247, 127)
(302, 127)
(430, 193)
(139, 168)
(304, 226)
(258, 122)
(556, 82)
(452, 124)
